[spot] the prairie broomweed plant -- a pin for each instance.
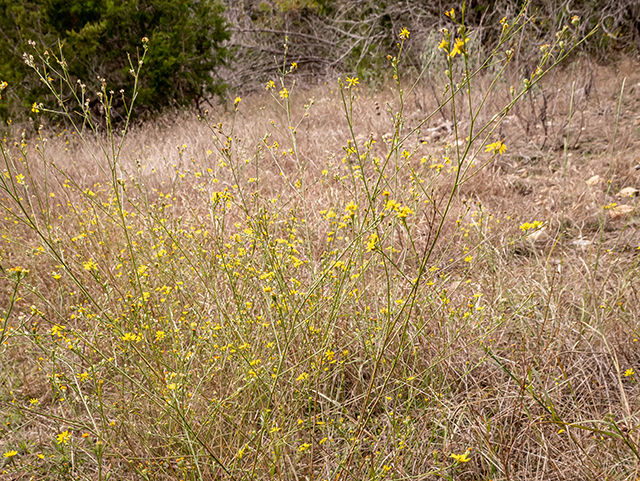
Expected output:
(283, 294)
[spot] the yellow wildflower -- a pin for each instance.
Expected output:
(240, 452)
(63, 437)
(10, 454)
(131, 337)
(56, 330)
(352, 81)
(403, 212)
(371, 243)
(19, 272)
(404, 34)
(530, 225)
(497, 147)
(458, 47)
(461, 458)
(351, 209)
(90, 266)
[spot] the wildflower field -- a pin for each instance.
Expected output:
(436, 280)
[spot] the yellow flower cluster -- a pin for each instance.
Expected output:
(530, 225)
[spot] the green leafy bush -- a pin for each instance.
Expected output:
(102, 38)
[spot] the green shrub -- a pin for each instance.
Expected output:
(102, 39)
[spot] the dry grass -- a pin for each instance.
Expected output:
(208, 306)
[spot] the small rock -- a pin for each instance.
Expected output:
(539, 235)
(595, 180)
(628, 192)
(620, 211)
(582, 243)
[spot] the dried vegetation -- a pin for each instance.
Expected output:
(243, 296)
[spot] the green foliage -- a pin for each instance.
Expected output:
(102, 39)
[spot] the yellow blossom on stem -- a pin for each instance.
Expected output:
(90, 266)
(497, 147)
(403, 212)
(56, 330)
(461, 458)
(19, 272)
(458, 47)
(371, 243)
(530, 225)
(131, 337)
(404, 34)
(63, 437)
(351, 209)
(240, 452)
